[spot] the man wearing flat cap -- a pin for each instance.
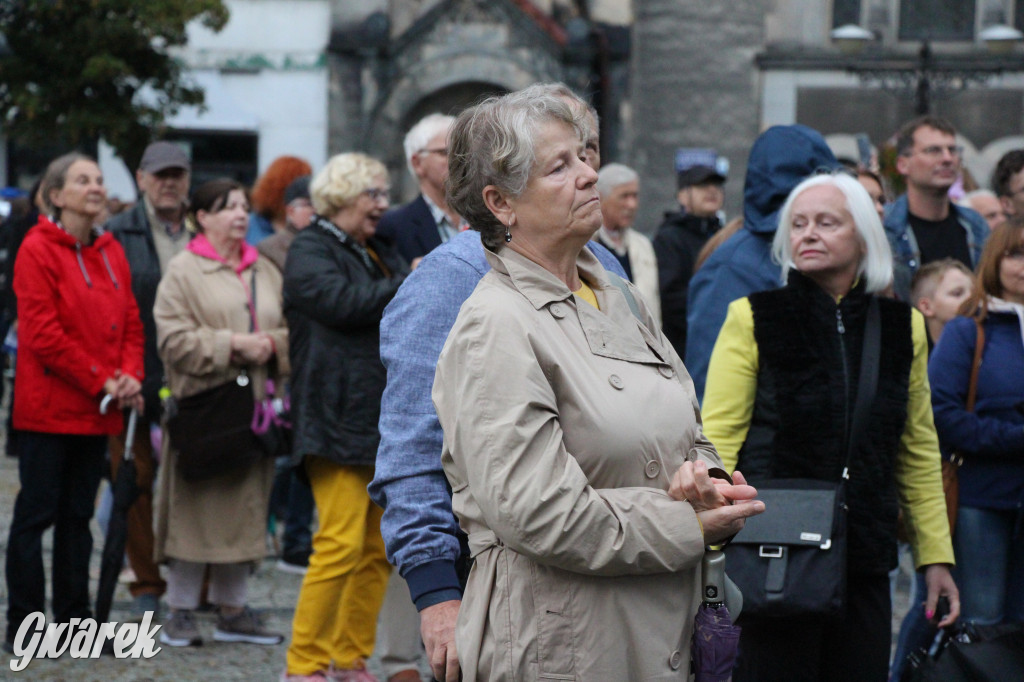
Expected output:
(151, 234)
(679, 239)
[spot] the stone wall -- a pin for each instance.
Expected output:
(694, 84)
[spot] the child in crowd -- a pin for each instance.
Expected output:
(938, 290)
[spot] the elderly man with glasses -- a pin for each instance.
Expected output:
(924, 225)
(425, 222)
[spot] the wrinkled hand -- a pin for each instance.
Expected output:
(256, 348)
(437, 628)
(721, 506)
(722, 523)
(693, 484)
(125, 389)
(940, 584)
(129, 393)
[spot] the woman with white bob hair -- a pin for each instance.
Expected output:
(782, 387)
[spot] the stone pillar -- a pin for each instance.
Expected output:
(694, 84)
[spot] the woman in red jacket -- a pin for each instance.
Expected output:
(80, 339)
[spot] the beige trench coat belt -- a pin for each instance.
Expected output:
(482, 540)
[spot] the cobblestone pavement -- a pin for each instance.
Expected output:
(271, 591)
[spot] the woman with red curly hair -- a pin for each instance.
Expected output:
(267, 215)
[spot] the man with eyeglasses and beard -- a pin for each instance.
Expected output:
(924, 225)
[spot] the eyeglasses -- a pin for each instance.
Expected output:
(936, 150)
(378, 193)
(443, 151)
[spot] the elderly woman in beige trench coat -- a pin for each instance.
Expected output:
(572, 437)
(218, 310)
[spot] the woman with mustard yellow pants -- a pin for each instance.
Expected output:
(337, 282)
(348, 562)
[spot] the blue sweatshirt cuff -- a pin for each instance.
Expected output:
(433, 582)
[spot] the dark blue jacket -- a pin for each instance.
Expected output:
(991, 439)
(411, 228)
(780, 159)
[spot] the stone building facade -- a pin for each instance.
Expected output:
(716, 74)
(677, 73)
(394, 62)
(318, 77)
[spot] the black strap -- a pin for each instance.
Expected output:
(867, 385)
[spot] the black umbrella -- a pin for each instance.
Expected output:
(125, 492)
(715, 639)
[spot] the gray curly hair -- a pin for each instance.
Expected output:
(492, 143)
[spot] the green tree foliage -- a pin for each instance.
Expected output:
(85, 69)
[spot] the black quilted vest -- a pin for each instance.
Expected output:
(810, 350)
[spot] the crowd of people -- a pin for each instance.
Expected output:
(538, 415)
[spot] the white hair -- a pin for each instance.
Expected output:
(418, 137)
(876, 265)
(966, 199)
(614, 175)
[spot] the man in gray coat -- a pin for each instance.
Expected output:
(151, 234)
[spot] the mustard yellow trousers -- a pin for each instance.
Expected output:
(336, 616)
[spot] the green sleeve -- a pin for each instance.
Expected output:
(918, 465)
(731, 384)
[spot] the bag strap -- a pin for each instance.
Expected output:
(979, 348)
(956, 458)
(867, 384)
(620, 284)
(252, 299)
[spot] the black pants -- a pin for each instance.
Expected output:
(854, 648)
(59, 478)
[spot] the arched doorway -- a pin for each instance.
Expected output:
(451, 100)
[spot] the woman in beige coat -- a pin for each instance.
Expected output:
(572, 437)
(212, 324)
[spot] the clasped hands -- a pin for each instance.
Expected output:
(126, 389)
(254, 348)
(721, 506)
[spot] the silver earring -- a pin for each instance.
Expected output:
(508, 234)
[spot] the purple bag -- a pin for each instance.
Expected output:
(272, 424)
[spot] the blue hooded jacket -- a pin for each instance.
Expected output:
(780, 159)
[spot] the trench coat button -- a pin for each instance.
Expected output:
(666, 371)
(675, 660)
(616, 382)
(652, 469)
(558, 310)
